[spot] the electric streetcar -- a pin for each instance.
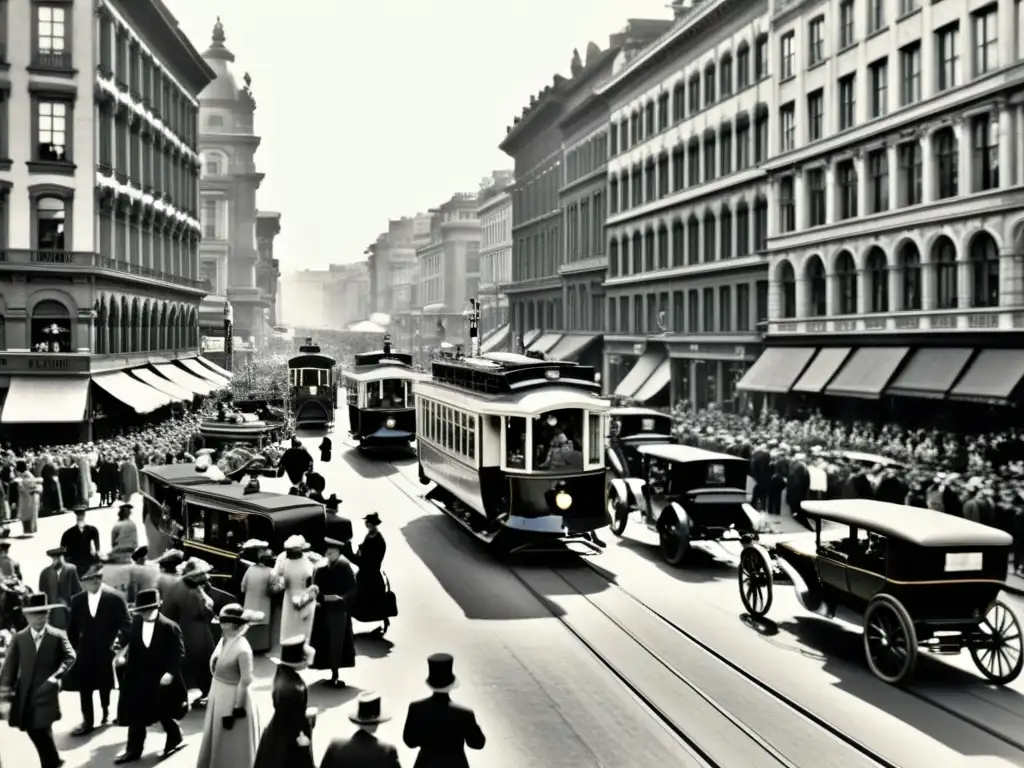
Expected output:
(313, 387)
(381, 403)
(515, 446)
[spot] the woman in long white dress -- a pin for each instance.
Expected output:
(232, 732)
(294, 572)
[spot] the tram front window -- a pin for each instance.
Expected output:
(558, 441)
(393, 393)
(515, 442)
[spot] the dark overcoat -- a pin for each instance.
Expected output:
(325, 449)
(93, 638)
(35, 703)
(279, 745)
(441, 730)
(59, 588)
(332, 635)
(362, 750)
(296, 462)
(368, 604)
(184, 605)
(143, 701)
(82, 546)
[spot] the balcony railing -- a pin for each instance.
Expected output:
(951, 321)
(88, 260)
(52, 60)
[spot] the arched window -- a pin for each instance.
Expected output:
(945, 266)
(613, 257)
(638, 254)
(692, 240)
(725, 234)
(878, 281)
(678, 244)
(649, 250)
(662, 246)
(984, 257)
(817, 286)
(846, 284)
(910, 265)
(787, 290)
(947, 162)
(50, 221)
(50, 327)
(710, 238)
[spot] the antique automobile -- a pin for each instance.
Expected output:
(689, 494)
(869, 461)
(630, 429)
(239, 427)
(915, 579)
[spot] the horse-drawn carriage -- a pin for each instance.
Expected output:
(914, 578)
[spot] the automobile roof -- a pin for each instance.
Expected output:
(177, 474)
(685, 454)
(923, 527)
(631, 411)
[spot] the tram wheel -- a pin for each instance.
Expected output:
(619, 514)
(756, 586)
(996, 648)
(674, 547)
(890, 640)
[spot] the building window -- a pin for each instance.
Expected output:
(709, 310)
(710, 238)
(817, 196)
(787, 205)
(742, 67)
(678, 102)
(613, 140)
(692, 241)
(817, 285)
(678, 244)
(725, 152)
(678, 169)
(984, 259)
(876, 15)
(649, 251)
(50, 329)
(663, 112)
(760, 225)
(946, 283)
(662, 175)
(692, 311)
(815, 115)
(743, 307)
(725, 234)
(947, 163)
(878, 174)
(847, 176)
(51, 216)
(879, 88)
(761, 139)
(52, 131)
(694, 91)
(816, 40)
(846, 284)
(911, 174)
(743, 146)
(636, 194)
(847, 102)
(910, 264)
(947, 50)
(908, 6)
(742, 230)
(986, 41)
(788, 124)
(613, 196)
(613, 258)
(709, 85)
(878, 281)
(725, 76)
(788, 55)
(208, 217)
(52, 49)
(710, 157)
(650, 182)
(787, 290)
(847, 24)
(985, 141)
(761, 58)
(649, 123)
(725, 309)
(693, 163)
(910, 74)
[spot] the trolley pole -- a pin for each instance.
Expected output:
(474, 328)
(387, 345)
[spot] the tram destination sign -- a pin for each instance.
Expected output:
(44, 363)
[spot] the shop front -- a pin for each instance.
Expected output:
(708, 374)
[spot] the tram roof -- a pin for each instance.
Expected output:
(380, 357)
(312, 361)
(500, 373)
(381, 372)
(527, 403)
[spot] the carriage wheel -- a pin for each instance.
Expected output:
(673, 545)
(619, 514)
(997, 648)
(755, 577)
(890, 640)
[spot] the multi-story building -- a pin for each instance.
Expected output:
(495, 213)
(268, 269)
(230, 254)
(347, 294)
(98, 184)
(897, 206)
(403, 279)
(449, 273)
(687, 226)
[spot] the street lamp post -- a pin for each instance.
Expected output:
(229, 339)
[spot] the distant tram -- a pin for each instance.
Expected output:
(516, 447)
(381, 403)
(313, 386)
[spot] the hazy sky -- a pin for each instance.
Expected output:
(374, 110)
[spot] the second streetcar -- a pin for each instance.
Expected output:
(380, 398)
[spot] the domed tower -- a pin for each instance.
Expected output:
(229, 256)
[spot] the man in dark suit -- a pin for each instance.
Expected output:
(99, 622)
(30, 679)
(439, 727)
(363, 750)
(81, 542)
(59, 582)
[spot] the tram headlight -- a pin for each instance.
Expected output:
(563, 500)
(390, 423)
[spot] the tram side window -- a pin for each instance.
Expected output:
(373, 394)
(394, 393)
(449, 428)
(596, 438)
(558, 440)
(471, 437)
(195, 529)
(410, 397)
(515, 442)
(352, 393)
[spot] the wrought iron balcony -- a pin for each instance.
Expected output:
(85, 260)
(988, 319)
(56, 61)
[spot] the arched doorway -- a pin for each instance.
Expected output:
(50, 327)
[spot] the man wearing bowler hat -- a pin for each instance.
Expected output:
(152, 690)
(81, 542)
(439, 727)
(59, 582)
(30, 680)
(99, 623)
(362, 749)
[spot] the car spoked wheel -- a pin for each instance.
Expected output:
(997, 646)
(673, 546)
(890, 640)
(755, 582)
(619, 515)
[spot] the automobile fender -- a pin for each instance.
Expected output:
(753, 515)
(808, 598)
(620, 491)
(674, 512)
(636, 490)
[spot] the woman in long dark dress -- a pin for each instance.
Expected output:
(370, 604)
(288, 740)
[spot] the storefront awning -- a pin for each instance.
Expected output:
(992, 377)
(183, 378)
(640, 373)
(45, 400)
(821, 370)
(867, 372)
(930, 372)
(544, 343)
(656, 383)
(497, 341)
(571, 347)
(161, 384)
(140, 397)
(223, 372)
(776, 370)
(201, 371)
(530, 337)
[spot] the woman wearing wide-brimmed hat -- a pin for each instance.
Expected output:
(287, 741)
(371, 602)
(232, 731)
(191, 608)
(294, 575)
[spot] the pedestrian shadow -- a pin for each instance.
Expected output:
(373, 646)
(700, 566)
(368, 464)
(325, 698)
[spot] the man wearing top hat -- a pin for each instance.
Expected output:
(30, 679)
(81, 542)
(189, 606)
(99, 623)
(362, 749)
(439, 727)
(288, 738)
(59, 582)
(332, 636)
(152, 688)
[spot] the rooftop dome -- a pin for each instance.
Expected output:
(224, 86)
